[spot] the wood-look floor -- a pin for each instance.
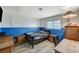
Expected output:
(42, 47)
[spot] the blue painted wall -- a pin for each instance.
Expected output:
(18, 31)
(58, 32)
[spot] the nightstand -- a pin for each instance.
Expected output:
(50, 38)
(53, 38)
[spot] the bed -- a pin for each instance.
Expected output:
(35, 38)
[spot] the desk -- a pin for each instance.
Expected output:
(68, 46)
(6, 44)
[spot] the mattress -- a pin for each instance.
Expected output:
(37, 36)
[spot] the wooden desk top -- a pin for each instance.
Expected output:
(68, 46)
(6, 41)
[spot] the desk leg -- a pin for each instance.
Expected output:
(54, 41)
(32, 44)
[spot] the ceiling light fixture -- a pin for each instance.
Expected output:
(68, 15)
(40, 9)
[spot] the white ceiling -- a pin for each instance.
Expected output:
(33, 12)
(46, 12)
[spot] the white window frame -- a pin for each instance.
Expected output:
(53, 24)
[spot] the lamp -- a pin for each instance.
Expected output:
(68, 15)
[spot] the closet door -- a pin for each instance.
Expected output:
(71, 32)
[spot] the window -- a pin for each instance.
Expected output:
(49, 25)
(53, 24)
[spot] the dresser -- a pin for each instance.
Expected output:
(72, 32)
